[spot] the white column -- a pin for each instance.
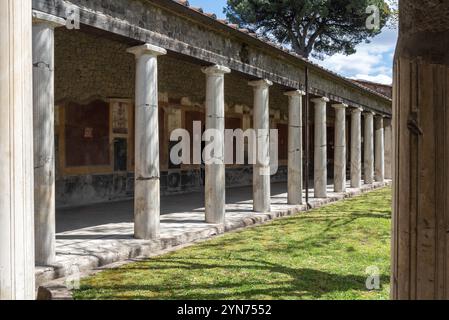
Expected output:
(356, 148)
(388, 132)
(340, 148)
(44, 139)
(261, 171)
(379, 173)
(320, 154)
(295, 126)
(147, 171)
(215, 166)
(369, 148)
(16, 152)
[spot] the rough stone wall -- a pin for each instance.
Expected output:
(418, 18)
(424, 30)
(89, 66)
(151, 17)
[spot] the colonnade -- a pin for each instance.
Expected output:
(17, 148)
(147, 171)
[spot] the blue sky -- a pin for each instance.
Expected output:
(215, 6)
(372, 62)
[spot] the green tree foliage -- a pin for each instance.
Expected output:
(394, 14)
(317, 27)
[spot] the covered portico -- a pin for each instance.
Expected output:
(97, 130)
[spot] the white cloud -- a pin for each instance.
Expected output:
(371, 62)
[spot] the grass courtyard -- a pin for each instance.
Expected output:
(322, 254)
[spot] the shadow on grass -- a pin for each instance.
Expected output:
(304, 282)
(250, 264)
(329, 232)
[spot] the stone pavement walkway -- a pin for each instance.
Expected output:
(93, 236)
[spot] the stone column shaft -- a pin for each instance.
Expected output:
(215, 168)
(388, 133)
(356, 148)
(369, 148)
(420, 250)
(295, 127)
(147, 171)
(261, 172)
(379, 173)
(340, 148)
(44, 138)
(16, 152)
(320, 161)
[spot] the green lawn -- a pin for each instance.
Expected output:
(322, 254)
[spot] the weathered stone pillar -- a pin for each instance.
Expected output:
(16, 152)
(320, 161)
(261, 174)
(379, 173)
(356, 148)
(215, 167)
(147, 171)
(420, 268)
(295, 126)
(340, 148)
(388, 132)
(369, 148)
(44, 138)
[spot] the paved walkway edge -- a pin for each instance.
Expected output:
(52, 281)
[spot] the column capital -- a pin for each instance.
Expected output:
(369, 113)
(295, 93)
(318, 100)
(264, 83)
(48, 19)
(340, 106)
(147, 49)
(357, 110)
(216, 70)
